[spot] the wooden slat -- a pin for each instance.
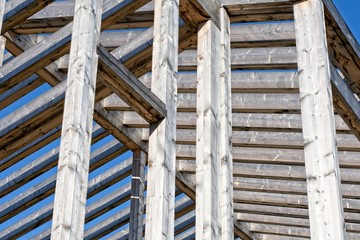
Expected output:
(161, 159)
(321, 157)
(241, 58)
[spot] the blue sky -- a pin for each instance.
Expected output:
(349, 10)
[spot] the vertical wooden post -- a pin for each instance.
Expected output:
(137, 195)
(161, 160)
(208, 222)
(225, 131)
(321, 157)
(73, 167)
(2, 39)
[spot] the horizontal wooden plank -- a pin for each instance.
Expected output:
(240, 121)
(272, 171)
(287, 187)
(271, 155)
(241, 58)
(241, 102)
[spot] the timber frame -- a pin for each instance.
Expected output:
(178, 119)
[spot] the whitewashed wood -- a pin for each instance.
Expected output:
(321, 157)
(225, 130)
(280, 230)
(161, 159)
(208, 173)
(137, 195)
(74, 157)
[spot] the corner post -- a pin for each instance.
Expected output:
(321, 156)
(160, 202)
(73, 167)
(208, 167)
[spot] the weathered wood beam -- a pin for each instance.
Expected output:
(284, 221)
(248, 154)
(225, 130)
(321, 157)
(286, 186)
(285, 200)
(49, 160)
(345, 102)
(195, 12)
(17, 11)
(243, 231)
(259, 10)
(241, 58)
(271, 171)
(161, 159)
(122, 82)
(297, 213)
(43, 215)
(74, 156)
(56, 45)
(98, 208)
(111, 121)
(279, 230)
(208, 164)
(343, 48)
(46, 188)
(136, 226)
(276, 122)
(60, 13)
(241, 102)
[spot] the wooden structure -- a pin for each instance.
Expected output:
(178, 119)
